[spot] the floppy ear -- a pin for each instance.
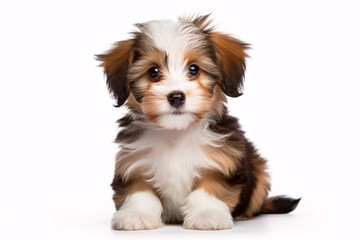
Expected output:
(231, 60)
(116, 63)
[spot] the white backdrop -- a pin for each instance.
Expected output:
(300, 108)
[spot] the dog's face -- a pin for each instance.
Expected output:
(172, 71)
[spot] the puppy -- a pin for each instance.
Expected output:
(183, 159)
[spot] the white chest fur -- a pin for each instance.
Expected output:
(173, 162)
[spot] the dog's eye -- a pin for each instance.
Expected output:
(154, 73)
(194, 70)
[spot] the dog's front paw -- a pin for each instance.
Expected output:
(211, 219)
(131, 220)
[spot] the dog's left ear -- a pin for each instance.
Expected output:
(231, 60)
(116, 63)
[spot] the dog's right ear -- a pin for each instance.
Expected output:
(231, 59)
(116, 63)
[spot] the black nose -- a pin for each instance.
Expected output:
(176, 99)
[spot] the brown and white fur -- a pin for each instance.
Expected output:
(190, 163)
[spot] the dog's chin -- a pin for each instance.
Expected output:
(176, 120)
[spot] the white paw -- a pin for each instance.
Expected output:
(132, 220)
(211, 219)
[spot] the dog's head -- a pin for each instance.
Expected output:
(174, 73)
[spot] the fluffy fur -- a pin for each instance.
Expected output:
(189, 163)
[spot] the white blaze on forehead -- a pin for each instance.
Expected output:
(174, 38)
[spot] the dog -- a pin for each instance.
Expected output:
(183, 158)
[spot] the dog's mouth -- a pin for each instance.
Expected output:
(176, 118)
(177, 112)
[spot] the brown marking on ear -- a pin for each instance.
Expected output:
(215, 184)
(116, 63)
(231, 59)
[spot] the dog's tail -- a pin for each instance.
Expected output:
(280, 204)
